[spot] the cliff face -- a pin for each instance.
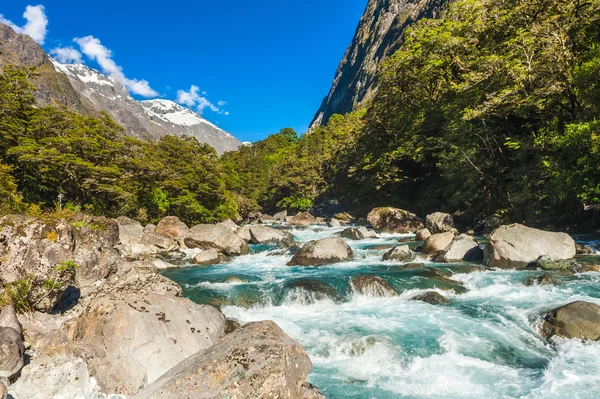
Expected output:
(53, 88)
(379, 34)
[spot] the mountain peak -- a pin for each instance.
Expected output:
(149, 119)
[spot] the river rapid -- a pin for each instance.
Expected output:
(483, 344)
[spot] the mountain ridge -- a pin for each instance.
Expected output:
(87, 91)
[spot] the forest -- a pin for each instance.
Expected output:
(490, 110)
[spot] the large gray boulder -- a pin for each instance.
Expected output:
(223, 239)
(322, 252)
(462, 248)
(165, 244)
(268, 235)
(579, 320)
(208, 257)
(358, 233)
(12, 348)
(280, 216)
(394, 220)
(230, 224)
(171, 227)
(301, 219)
(372, 286)
(422, 235)
(516, 246)
(130, 231)
(132, 339)
(54, 377)
(437, 243)
(244, 232)
(439, 222)
(257, 360)
(401, 253)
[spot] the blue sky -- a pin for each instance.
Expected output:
(258, 66)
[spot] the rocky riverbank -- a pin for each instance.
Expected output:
(99, 319)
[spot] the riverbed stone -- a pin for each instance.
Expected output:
(268, 235)
(516, 246)
(257, 360)
(422, 234)
(462, 248)
(544, 279)
(439, 222)
(358, 233)
(172, 228)
(165, 244)
(437, 243)
(308, 292)
(322, 252)
(301, 219)
(280, 216)
(401, 253)
(372, 286)
(221, 238)
(394, 220)
(579, 320)
(432, 298)
(208, 257)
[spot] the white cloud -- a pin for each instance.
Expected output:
(36, 25)
(95, 50)
(193, 98)
(66, 55)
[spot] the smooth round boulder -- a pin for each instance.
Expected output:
(207, 257)
(432, 298)
(358, 233)
(230, 224)
(322, 252)
(394, 220)
(268, 235)
(301, 219)
(516, 246)
(401, 253)
(334, 223)
(462, 248)
(439, 222)
(579, 320)
(171, 227)
(12, 347)
(221, 238)
(423, 235)
(372, 286)
(437, 243)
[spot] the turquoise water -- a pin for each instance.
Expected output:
(483, 344)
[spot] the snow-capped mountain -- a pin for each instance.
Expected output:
(149, 119)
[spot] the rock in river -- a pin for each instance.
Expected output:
(516, 246)
(401, 253)
(437, 243)
(322, 252)
(358, 233)
(372, 286)
(439, 222)
(394, 220)
(223, 239)
(462, 248)
(579, 320)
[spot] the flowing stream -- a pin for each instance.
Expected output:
(483, 344)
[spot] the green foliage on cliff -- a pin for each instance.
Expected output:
(50, 151)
